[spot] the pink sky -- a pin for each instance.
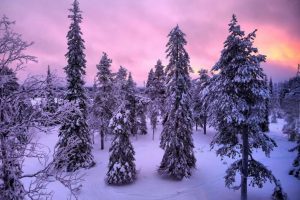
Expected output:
(134, 32)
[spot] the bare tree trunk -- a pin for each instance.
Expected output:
(244, 175)
(93, 137)
(153, 134)
(102, 139)
(204, 125)
(196, 126)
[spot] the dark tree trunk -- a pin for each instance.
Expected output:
(102, 139)
(244, 175)
(153, 134)
(196, 126)
(204, 125)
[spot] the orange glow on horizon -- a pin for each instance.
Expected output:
(278, 46)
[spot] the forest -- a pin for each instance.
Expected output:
(229, 129)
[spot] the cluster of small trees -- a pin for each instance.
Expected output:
(285, 103)
(235, 101)
(290, 104)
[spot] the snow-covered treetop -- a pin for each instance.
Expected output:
(121, 74)
(240, 55)
(104, 74)
(150, 78)
(130, 85)
(119, 122)
(75, 12)
(75, 69)
(177, 71)
(159, 71)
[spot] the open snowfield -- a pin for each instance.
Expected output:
(206, 182)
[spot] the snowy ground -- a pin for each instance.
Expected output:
(206, 182)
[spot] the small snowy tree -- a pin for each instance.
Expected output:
(277, 112)
(240, 92)
(74, 137)
(265, 124)
(131, 104)
(120, 85)
(291, 107)
(200, 112)
(149, 85)
(155, 90)
(141, 110)
(51, 105)
(121, 167)
(159, 87)
(296, 163)
(153, 113)
(104, 102)
(176, 137)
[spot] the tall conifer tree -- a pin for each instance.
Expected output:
(120, 85)
(104, 101)
(176, 137)
(75, 70)
(74, 145)
(200, 112)
(159, 86)
(131, 104)
(240, 93)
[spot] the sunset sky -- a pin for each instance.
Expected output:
(134, 32)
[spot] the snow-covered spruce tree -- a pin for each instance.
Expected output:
(141, 110)
(153, 113)
(149, 85)
(74, 137)
(155, 90)
(73, 147)
(200, 112)
(131, 105)
(195, 102)
(153, 105)
(271, 87)
(159, 87)
(121, 167)
(75, 70)
(291, 106)
(265, 124)
(120, 85)
(104, 102)
(295, 171)
(51, 105)
(240, 93)
(176, 136)
(277, 112)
